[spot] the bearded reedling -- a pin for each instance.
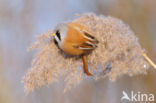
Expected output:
(75, 40)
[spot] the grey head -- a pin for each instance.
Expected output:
(61, 31)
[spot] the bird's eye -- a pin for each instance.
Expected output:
(58, 35)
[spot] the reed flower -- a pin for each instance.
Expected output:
(118, 53)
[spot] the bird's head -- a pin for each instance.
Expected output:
(60, 32)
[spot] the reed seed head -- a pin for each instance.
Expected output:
(118, 53)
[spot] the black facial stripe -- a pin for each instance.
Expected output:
(58, 35)
(55, 42)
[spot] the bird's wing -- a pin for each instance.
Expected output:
(86, 46)
(88, 36)
(91, 42)
(81, 38)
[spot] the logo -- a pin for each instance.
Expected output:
(137, 97)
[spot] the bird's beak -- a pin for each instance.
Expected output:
(54, 34)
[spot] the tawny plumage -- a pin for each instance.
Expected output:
(74, 39)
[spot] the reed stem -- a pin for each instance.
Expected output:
(150, 61)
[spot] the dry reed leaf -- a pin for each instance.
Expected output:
(118, 53)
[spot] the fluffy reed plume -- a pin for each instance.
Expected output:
(118, 53)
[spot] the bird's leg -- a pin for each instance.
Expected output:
(85, 67)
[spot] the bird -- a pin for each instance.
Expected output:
(75, 40)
